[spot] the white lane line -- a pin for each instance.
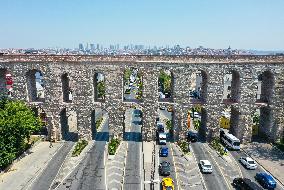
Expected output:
(141, 165)
(105, 157)
(124, 166)
(175, 166)
(219, 167)
(202, 179)
(31, 183)
(232, 157)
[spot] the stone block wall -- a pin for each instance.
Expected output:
(81, 71)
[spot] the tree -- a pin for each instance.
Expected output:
(17, 123)
(101, 89)
(127, 74)
(165, 82)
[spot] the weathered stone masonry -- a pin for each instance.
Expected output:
(81, 71)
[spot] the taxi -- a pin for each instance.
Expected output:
(167, 184)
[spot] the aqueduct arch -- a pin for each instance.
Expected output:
(244, 70)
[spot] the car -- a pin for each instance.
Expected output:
(245, 184)
(248, 163)
(192, 137)
(266, 180)
(167, 184)
(170, 109)
(164, 151)
(165, 168)
(162, 107)
(137, 113)
(206, 166)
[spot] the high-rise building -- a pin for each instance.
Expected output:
(81, 47)
(98, 46)
(92, 46)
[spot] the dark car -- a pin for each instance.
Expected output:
(245, 184)
(265, 180)
(137, 113)
(165, 168)
(191, 137)
(164, 151)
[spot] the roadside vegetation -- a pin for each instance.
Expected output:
(113, 145)
(183, 146)
(169, 125)
(79, 147)
(216, 144)
(280, 144)
(17, 123)
(165, 82)
(101, 90)
(98, 122)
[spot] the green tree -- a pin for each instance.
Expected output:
(17, 123)
(101, 89)
(165, 82)
(127, 74)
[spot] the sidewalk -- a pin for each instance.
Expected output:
(268, 157)
(23, 172)
(148, 163)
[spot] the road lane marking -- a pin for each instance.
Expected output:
(44, 167)
(234, 160)
(202, 179)
(223, 175)
(175, 166)
(124, 166)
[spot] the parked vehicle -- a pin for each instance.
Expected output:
(206, 166)
(229, 140)
(265, 180)
(164, 151)
(191, 137)
(248, 163)
(167, 184)
(245, 184)
(165, 168)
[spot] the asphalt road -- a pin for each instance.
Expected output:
(249, 173)
(133, 176)
(169, 159)
(90, 173)
(215, 180)
(44, 181)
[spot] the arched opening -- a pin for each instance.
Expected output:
(265, 85)
(132, 85)
(39, 112)
(165, 85)
(197, 121)
(66, 89)
(99, 125)
(68, 122)
(229, 121)
(35, 86)
(133, 121)
(164, 122)
(231, 92)
(198, 87)
(6, 82)
(99, 87)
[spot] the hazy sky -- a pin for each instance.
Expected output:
(242, 24)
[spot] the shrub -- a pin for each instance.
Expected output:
(79, 147)
(183, 146)
(113, 145)
(215, 143)
(98, 122)
(169, 125)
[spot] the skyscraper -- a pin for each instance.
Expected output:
(81, 47)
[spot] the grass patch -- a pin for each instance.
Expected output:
(79, 147)
(113, 145)
(183, 146)
(98, 122)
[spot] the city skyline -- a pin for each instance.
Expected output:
(219, 24)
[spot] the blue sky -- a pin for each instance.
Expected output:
(242, 24)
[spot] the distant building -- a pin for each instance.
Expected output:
(92, 46)
(81, 47)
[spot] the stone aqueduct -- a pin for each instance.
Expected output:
(81, 70)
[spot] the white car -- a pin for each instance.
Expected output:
(248, 163)
(206, 166)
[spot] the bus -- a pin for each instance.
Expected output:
(229, 140)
